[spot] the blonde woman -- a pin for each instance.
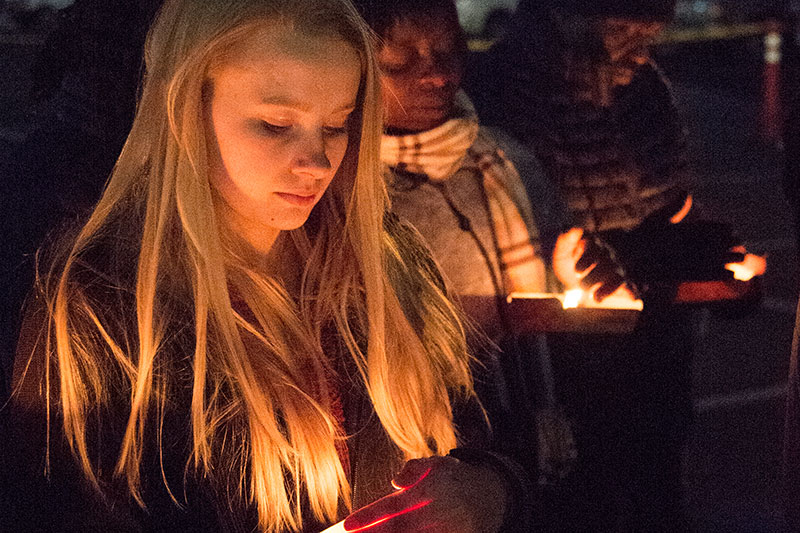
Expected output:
(238, 339)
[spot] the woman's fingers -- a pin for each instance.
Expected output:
(608, 287)
(436, 494)
(390, 513)
(394, 506)
(413, 472)
(592, 253)
(569, 248)
(748, 267)
(598, 269)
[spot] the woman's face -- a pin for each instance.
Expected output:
(278, 116)
(421, 62)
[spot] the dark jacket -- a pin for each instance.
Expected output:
(66, 501)
(614, 164)
(615, 154)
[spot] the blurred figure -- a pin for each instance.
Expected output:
(449, 178)
(574, 82)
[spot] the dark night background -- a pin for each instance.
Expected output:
(732, 461)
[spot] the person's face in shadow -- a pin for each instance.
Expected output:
(604, 52)
(421, 61)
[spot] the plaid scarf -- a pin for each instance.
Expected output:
(439, 152)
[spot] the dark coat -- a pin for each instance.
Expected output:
(612, 164)
(66, 502)
(614, 161)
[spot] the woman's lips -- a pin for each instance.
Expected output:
(302, 200)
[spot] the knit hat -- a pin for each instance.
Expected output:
(627, 9)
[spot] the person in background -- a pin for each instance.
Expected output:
(451, 180)
(239, 337)
(573, 81)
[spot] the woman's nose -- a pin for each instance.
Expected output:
(310, 157)
(435, 71)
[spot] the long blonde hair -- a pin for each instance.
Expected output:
(251, 388)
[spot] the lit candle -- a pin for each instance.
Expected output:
(751, 266)
(572, 298)
(338, 527)
(622, 298)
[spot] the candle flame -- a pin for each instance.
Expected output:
(622, 298)
(338, 527)
(572, 298)
(752, 265)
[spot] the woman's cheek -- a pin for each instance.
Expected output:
(336, 150)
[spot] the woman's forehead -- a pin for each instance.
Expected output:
(434, 24)
(283, 38)
(279, 66)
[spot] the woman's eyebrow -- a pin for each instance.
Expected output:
(292, 103)
(285, 101)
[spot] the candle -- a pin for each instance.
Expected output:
(572, 298)
(338, 527)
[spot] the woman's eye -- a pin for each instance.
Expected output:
(272, 129)
(335, 131)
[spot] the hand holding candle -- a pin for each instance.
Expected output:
(437, 494)
(587, 264)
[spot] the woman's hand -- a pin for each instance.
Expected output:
(588, 263)
(436, 494)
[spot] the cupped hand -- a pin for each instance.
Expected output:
(438, 495)
(588, 263)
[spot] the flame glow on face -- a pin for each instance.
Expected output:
(278, 117)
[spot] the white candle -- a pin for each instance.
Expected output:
(336, 528)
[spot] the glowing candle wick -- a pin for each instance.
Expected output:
(572, 298)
